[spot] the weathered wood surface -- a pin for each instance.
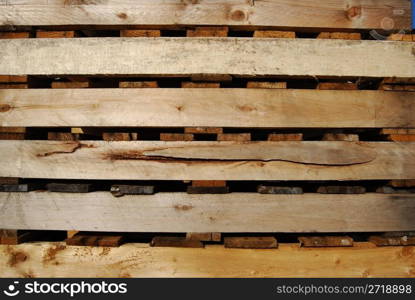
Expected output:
(234, 212)
(186, 56)
(206, 108)
(140, 260)
(156, 160)
(362, 14)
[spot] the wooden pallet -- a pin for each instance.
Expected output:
(104, 105)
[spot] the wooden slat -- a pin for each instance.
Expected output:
(207, 160)
(139, 33)
(266, 242)
(180, 212)
(362, 14)
(206, 108)
(140, 260)
(208, 32)
(178, 56)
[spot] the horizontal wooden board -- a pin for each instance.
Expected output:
(291, 160)
(362, 14)
(206, 108)
(140, 260)
(186, 56)
(234, 212)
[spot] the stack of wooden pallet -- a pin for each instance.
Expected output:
(207, 125)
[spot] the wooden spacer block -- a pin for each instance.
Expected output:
(341, 137)
(70, 84)
(398, 80)
(119, 190)
(208, 187)
(204, 236)
(263, 189)
(382, 241)
(139, 33)
(340, 35)
(277, 137)
(14, 35)
(266, 242)
(402, 183)
(173, 241)
(55, 34)
(274, 34)
(235, 137)
(192, 85)
(12, 129)
(62, 136)
(116, 136)
(13, 86)
(402, 37)
(391, 190)
(19, 188)
(208, 183)
(13, 78)
(138, 84)
(211, 77)
(340, 189)
(208, 32)
(176, 137)
(12, 136)
(203, 130)
(337, 86)
(325, 241)
(70, 187)
(398, 88)
(9, 180)
(266, 85)
(401, 137)
(91, 239)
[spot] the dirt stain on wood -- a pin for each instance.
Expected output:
(16, 257)
(50, 255)
(182, 207)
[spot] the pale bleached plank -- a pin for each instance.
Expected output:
(140, 260)
(362, 14)
(185, 56)
(234, 212)
(309, 160)
(206, 108)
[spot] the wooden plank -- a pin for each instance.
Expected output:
(9, 78)
(204, 236)
(90, 239)
(362, 14)
(181, 212)
(206, 108)
(14, 35)
(62, 136)
(140, 260)
(399, 88)
(178, 56)
(116, 136)
(267, 242)
(203, 160)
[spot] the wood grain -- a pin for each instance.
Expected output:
(234, 212)
(206, 108)
(156, 160)
(186, 56)
(362, 14)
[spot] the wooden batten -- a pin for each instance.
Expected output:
(177, 56)
(181, 212)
